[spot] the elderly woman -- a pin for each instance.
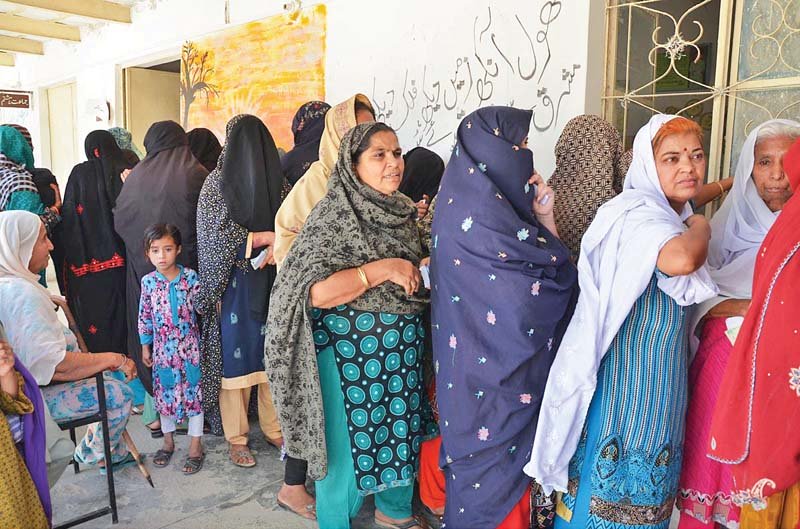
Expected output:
(610, 432)
(310, 189)
(49, 350)
(761, 188)
(754, 425)
(345, 337)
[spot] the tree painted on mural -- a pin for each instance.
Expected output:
(196, 68)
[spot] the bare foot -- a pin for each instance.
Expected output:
(277, 442)
(297, 499)
(384, 521)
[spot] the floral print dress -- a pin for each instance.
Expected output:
(167, 321)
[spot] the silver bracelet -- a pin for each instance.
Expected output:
(124, 361)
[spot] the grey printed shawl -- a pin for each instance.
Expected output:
(351, 226)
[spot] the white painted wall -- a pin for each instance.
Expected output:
(373, 46)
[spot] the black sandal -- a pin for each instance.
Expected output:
(193, 465)
(162, 457)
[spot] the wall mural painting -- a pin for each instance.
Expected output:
(267, 68)
(425, 107)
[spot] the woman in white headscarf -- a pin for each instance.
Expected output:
(622, 364)
(760, 190)
(49, 350)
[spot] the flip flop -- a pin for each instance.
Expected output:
(193, 464)
(125, 462)
(413, 522)
(162, 457)
(239, 453)
(308, 514)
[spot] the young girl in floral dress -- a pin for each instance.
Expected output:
(170, 341)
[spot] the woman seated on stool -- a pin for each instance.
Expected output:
(49, 350)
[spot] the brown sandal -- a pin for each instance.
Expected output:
(309, 513)
(241, 456)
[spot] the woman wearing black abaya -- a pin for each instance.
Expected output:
(205, 147)
(162, 188)
(94, 255)
(236, 219)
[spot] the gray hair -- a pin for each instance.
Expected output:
(778, 129)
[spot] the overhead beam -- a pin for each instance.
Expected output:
(6, 59)
(21, 45)
(99, 9)
(39, 28)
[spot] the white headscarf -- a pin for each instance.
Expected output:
(26, 310)
(738, 229)
(618, 258)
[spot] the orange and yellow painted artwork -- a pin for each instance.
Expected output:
(267, 68)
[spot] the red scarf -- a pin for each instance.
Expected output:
(756, 420)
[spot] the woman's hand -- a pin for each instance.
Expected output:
(6, 360)
(263, 238)
(147, 356)
(730, 308)
(125, 174)
(544, 200)
(58, 203)
(422, 206)
(128, 369)
(404, 273)
(426, 261)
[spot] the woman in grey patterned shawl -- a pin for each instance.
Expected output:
(345, 336)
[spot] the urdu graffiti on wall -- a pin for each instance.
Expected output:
(425, 107)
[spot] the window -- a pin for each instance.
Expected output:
(728, 64)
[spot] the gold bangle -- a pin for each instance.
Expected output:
(363, 277)
(721, 189)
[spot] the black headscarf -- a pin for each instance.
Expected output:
(423, 172)
(251, 184)
(163, 136)
(107, 159)
(307, 126)
(162, 188)
(205, 147)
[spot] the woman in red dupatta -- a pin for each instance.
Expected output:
(755, 422)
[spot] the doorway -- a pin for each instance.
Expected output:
(64, 154)
(151, 94)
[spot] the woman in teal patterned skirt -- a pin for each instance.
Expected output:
(343, 352)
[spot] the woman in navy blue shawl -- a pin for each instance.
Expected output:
(503, 292)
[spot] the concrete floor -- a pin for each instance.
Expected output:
(219, 496)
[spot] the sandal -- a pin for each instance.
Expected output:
(309, 513)
(410, 524)
(241, 456)
(431, 519)
(125, 462)
(193, 465)
(162, 457)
